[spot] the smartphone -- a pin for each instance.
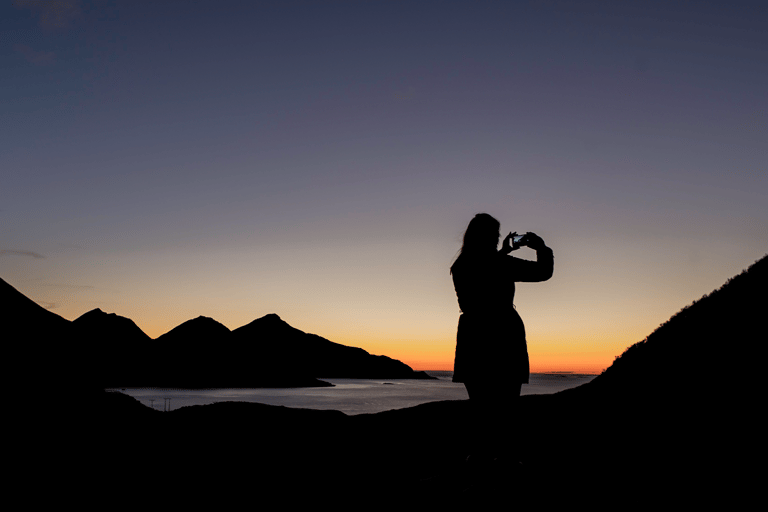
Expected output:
(516, 239)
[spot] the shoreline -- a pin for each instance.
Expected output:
(351, 396)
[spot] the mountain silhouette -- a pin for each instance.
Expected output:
(192, 334)
(273, 341)
(119, 328)
(38, 339)
(189, 351)
(267, 352)
(25, 319)
(104, 350)
(114, 345)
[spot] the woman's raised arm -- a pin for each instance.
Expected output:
(534, 271)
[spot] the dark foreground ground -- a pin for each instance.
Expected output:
(112, 450)
(676, 422)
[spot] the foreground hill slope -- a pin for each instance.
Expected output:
(676, 412)
(703, 347)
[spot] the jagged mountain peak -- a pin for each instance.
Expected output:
(196, 327)
(269, 321)
(96, 323)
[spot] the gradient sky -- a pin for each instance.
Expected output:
(321, 160)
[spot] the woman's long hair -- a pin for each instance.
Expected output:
(480, 238)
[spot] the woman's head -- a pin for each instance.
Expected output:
(482, 234)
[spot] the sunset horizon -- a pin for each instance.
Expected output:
(321, 161)
(586, 362)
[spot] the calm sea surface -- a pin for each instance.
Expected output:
(351, 396)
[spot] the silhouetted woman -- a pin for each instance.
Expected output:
(491, 351)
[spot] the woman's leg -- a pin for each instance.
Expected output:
(508, 423)
(494, 406)
(479, 422)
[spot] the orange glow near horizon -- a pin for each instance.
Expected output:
(567, 363)
(437, 355)
(570, 326)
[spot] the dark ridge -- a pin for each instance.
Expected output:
(26, 316)
(38, 341)
(675, 413)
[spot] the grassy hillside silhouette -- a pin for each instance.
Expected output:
(709, 340)
(676, 413)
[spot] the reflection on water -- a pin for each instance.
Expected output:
(351, 396)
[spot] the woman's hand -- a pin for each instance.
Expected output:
(533, 241)
(506, 246)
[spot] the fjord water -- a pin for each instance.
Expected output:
(350, 396)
